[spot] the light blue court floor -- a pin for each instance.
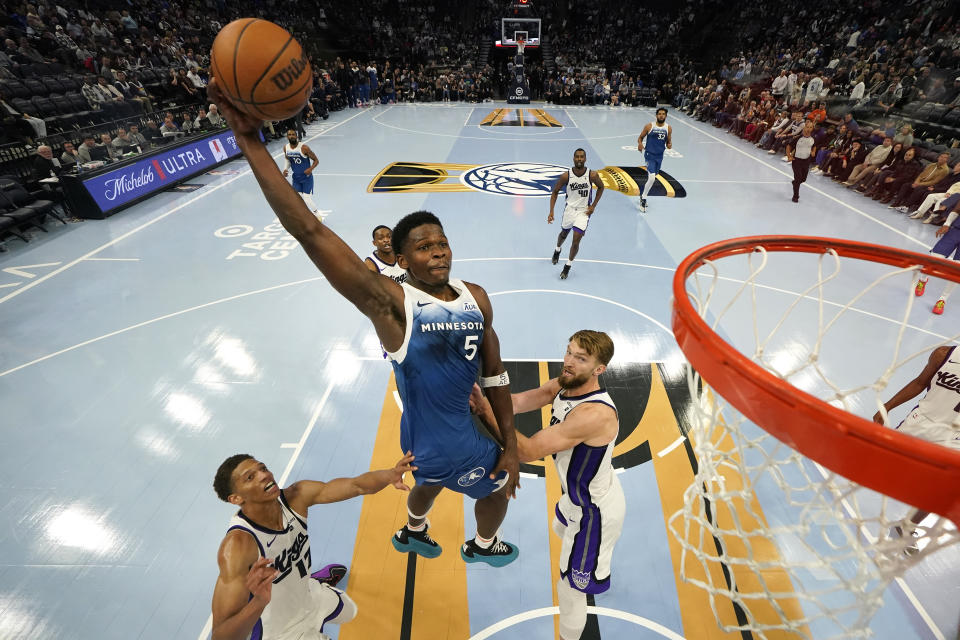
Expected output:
(138, 352)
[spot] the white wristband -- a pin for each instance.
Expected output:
(500, 380)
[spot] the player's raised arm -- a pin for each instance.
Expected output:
(559, 184)
(377, 298)
(643, 134)
(497, 384)
(306, 493)
(669, 137)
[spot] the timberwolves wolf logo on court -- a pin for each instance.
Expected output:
(523, 179)
(514, 178)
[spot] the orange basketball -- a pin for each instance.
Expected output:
(261, 68)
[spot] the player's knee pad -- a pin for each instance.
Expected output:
(573, 610)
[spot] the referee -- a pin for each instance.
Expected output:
(800, 153)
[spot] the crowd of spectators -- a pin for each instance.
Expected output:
(104, 67)
(881, 85)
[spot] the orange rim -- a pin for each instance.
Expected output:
(908, 469)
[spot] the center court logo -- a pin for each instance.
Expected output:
(514, 178)
(523, 179)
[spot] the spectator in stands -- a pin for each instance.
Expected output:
(181, 86)
(133, 91)
(137, 138)
(919, 195)
(851, 124)
(169, 127)
(152, 132)
(877, 156)
(106, 69)
(21, 124)
(938, 200)
(839, 168)
(44, 164)
(83, 152)
(214, 117)
(69, 157)
(905, 136)
(122, 143)
(113, 99)
(779, 85)
(933, 173)
(197, 81)
(892, 161)
(859, 88)
(107, 143)
(889, 182)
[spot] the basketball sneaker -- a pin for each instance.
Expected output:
(565, 272)
(938, 307)
(499, 554)
(920, 288)
(642, 205)
(418, 542)
(556, 257)
(330, 574)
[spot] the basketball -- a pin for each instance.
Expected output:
(261, 68)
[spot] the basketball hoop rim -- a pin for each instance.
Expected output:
(903, 467)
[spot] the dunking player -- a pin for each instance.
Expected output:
(264, 590)
(579, 182)
(299, 156)
(383, 260)
(581, 436)
(933, 419)
(438, 333)
(659, 136)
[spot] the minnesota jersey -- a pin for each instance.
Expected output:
(579, 190)
(390, 270)
(591, 510)
(298, 160)
(291, 604)
(656, 140)
(435, 369)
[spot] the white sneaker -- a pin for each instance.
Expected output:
(903, 209)
(916, 216)
(929, 218)
(785, 159)
(771, 152)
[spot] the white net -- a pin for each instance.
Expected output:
(801, 551)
